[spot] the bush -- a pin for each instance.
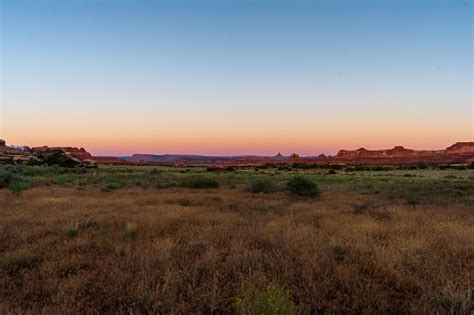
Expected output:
(110, 187)
(272, 301)
(34, 170)
(6, 176)
(17, 187)
(199, 182)
(57, 157)
(261, 185)
(302, 186)
(10, 179)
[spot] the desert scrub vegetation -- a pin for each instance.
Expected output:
(108, 187)
(199, 182)
(148, 251)
(450, 185)
(262, 185)
(302, 186)
(376, 242)
(10, 178)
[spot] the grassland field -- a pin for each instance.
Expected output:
(193, 240)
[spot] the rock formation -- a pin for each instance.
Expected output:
(109, 160)
(73, 152)
(461, 148)
(460, 152)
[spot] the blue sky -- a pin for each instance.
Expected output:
(230, 77)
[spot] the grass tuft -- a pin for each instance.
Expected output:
(14, 263)
(271, 301)
(131, 232)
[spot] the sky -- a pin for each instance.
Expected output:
(236, 77)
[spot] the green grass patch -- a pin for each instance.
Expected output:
(271, 301)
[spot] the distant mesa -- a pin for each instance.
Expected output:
(294, 156)
(109, 160)
(460, 152)
(461, 148)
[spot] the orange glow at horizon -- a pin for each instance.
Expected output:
(268, 139)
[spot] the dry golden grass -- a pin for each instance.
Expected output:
(195, 251)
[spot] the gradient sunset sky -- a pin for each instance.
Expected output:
(236, 77)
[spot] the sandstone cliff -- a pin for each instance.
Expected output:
(459, 152)
(73, 152)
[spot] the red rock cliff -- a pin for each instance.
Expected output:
(73, 152)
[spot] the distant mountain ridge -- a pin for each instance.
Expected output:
(192, 159)
(460, 152)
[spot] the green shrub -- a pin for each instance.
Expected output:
(17, 187)
(110, 187)
(63, 180)
(36, 170)
(272, 301)
(261, 185)
(10, 178)
(6, 176)
(72, 233)
(302, 186)
(199, 182)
